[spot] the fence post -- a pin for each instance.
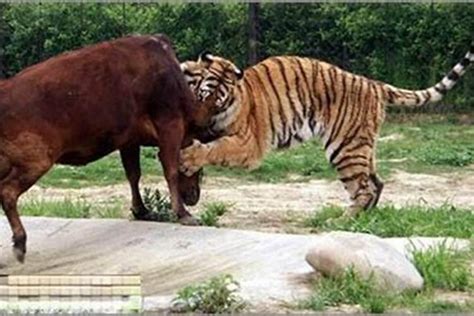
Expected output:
(253, 32)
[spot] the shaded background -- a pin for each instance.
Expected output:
(408, 45)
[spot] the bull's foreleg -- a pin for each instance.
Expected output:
(131, 163)
(170, 138)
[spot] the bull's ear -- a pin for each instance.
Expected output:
(205, 57)
(239, 73)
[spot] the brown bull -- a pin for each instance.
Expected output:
(82, 105)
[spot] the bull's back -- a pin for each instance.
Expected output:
(88, 102)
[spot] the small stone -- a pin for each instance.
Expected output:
(368, 255)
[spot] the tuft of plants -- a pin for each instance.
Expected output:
(57, 208)
(351, 289)
(67, 208)
(390, 221)
(347, 288)
(215, 296)
(212, 212)
(445, 269)
(159, 205)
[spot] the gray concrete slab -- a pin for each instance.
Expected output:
(271, 268)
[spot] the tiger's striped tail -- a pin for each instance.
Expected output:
(413, 98)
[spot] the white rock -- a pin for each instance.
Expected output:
(334, 252)
(410, 244)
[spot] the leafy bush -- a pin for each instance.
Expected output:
(212, 212)
(216, 296)
(159, 205)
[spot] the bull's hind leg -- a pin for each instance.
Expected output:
(131, 163)
(8, 199)
(16, 180)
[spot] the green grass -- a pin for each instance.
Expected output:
(391, 221)
(159, 205)
(67, 208)
(427, 145)
(105, 171)
(211, 213)
(216, 296)
(347, 288)
(445, 269)
(441, 269)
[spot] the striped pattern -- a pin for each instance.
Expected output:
(287, 100)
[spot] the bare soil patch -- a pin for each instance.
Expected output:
(280, 207)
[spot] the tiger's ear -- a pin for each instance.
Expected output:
(205, 58)
(239, 73)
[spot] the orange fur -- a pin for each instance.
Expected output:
(286, 100)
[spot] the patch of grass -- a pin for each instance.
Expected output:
(350, 289)
(105, 171)
(67, 208)
(444, 269)
(159, 205)
(216, 296)
(347, 288)
(429, 146)
(211, 213)
(391, 221)
(426, 302)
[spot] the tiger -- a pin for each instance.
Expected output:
(285, 100)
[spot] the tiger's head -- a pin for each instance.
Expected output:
(213, 81)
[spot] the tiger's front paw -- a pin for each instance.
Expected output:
(193, 158)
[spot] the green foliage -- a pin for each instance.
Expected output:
(408, 45)
(216, 296)
(391, 221)
(348, 288)
(442, 268)
(159, 205)
(212, 212)
(68, 208)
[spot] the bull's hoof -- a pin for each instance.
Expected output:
(19, 250)
(150, 217)
(189, 220)
(19, 255)
(143, 214)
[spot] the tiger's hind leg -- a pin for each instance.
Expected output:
(378, 189)
(375, 182)
(356, 172)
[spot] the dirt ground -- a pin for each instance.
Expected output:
(279, 207)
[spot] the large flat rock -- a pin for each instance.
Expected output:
(270, 267)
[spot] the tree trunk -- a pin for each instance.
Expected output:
(253, 33)
(3, 36)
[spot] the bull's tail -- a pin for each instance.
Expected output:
(413, 98)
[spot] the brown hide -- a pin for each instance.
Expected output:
(82, 105)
